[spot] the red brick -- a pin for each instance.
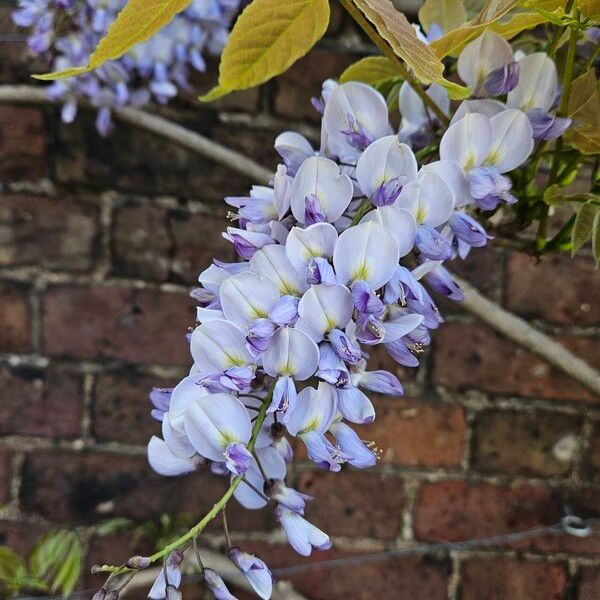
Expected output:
(395, 578)
(5, 473)
(496, 578)
(46, 232)
(355, 503)
(468, 356)
(417, 434)
(14, 318)
(144, 326)
(559, 289)
(121, 408)
(38, 402)
(525, 443)
(303, 80)
(22, 143)
(141, 243)
(589, 583)
(87, 487)
(456, 510)
(198, 241)
(21, 536)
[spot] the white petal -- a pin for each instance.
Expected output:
(314, 410)
(355, 406)
(412, 109)
(326, 307)
(537, 85)
(367, 252)
(322, 177)
(164, 462)
(399, 222)
(217, 346)
(489, 108)
(468, 141)
(303, 244)
(246, 297)
(383, 160)
(176, 440)
(272, 262)
(215, 421)
(401, 326)
(482, 56)
(429, 199)
(291, 353)
(451, 172)
(512, 142)
(186, 392)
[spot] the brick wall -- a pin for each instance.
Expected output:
(100, 241)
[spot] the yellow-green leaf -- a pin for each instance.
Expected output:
(138, 21)
(455, 90)
(371, 70)
(395, 29)
(554, 195)
(596, 238)
(589, 8)
(517, 23)
(452, 41)
(582, 228)
(584, 109)
(448, 14)
(268, 37)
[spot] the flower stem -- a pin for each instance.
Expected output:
(371, 32)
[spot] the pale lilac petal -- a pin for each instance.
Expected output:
(429, 199)
(176, 440)
(468, 141)
(537, 85)
(399, 222)
(164, 462)
(367, 252)
(382, 382)
(301, 535)
(272, 262)
(512, 140)
(291, 353)
(487, 107)
(294, 149)
(326, 307)
(356, 452)
(314, 410)
(355, 406)
(317, 240)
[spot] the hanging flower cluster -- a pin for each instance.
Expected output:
(66, 32)
(334, 257)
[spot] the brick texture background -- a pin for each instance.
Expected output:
(100, 241)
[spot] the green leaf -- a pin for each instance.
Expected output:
(395, 29)
(596, 238)
(12, 566)
(584, 109)
(590, 9)
(582, 228)
(554, 196)
(69, 572)
(370, 70)
(268, 37)
(137, 22)
(454, 40)
(113, 525)
(393, 96)
(449, 14)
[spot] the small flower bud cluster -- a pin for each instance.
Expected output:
(337, 258)
(66, 32)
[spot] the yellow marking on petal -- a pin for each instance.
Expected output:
(421, 214)
(362, 273)
(470, 162)
(492, 158)
(288, 288)
(235, 361)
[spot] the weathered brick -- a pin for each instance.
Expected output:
(21, 536)
(468, 356)
(15, 318)
(5, 473)
(303, 80)
(141, 243)
(593, 462)
(47, 232)
(341, 506)
(517, 579)
(86, 487)
(394, 578)
(558, 289)
(589, 583)
(525, 443)
(137, 325)
(457, 510)
(418, 434)
(121, 409)
(40, 402)
(22, 143)
(198, 241)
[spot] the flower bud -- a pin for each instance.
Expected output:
(99, 595)
(112, 595)
(173, 593)
(138, 562)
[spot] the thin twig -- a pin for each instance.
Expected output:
(489, 312)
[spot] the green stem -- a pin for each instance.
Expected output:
(554, 42)
(214, 511)
(371, 32)
(592, 58)
(363, 209)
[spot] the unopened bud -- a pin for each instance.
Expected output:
(138, 562)
(175, 558)
(99, 595)
(173, 593)
(112, 595)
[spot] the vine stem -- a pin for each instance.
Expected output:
(218, 507)
(371, 32)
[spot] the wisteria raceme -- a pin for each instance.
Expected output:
(336, 257)
(66, 32)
